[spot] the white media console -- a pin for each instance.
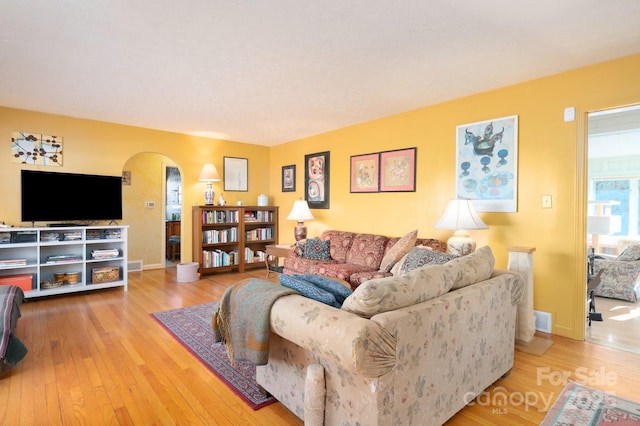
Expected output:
(66, 259)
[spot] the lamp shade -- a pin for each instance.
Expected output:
(209, 173)
(460, 214)
(300, 211)
(604, 225)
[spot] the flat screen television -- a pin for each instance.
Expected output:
(68, 197)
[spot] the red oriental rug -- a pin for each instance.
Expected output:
(582, 406)
(191, 326)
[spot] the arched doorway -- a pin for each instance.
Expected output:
(144, 209)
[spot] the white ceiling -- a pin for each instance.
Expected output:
(272, 71)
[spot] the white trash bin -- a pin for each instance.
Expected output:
(187, 272)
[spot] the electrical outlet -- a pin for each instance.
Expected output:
(546, 201)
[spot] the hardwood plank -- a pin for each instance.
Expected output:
(99, 357)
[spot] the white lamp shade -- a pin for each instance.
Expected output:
(460, 214)
(604, 225)
(209, 173)
(300, 211)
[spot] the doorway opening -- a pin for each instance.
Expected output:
(613, 222)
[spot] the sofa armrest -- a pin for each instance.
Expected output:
(355, 344)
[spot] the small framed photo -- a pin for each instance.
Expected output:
(126, 177)
(289, 178)
(235, 174)
(398, 170)
(316, 180)
(365, 173)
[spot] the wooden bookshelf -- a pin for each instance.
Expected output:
(228, 238)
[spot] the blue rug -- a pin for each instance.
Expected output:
(191, 326)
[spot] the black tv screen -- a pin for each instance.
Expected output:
(65, 197)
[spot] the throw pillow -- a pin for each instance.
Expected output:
(339, 290)
(420, 256)
(473, 268)
(317, 249)
(307, 289)
(387, 294)
(398, 250)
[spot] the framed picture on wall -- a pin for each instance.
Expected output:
(364, 174)
(316, 180)
(398, 170)
(487, 164)
(235, 174)
(289, 178)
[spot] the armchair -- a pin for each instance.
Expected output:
(620, 277)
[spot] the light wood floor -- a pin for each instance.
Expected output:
(99, 358)
(620, 327)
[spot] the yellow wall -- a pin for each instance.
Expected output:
(104, 148)
(550, 152)
(551, 157)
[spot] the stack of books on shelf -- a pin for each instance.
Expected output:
(259, 234)
(94, 234)
(6, 263)
(61, 258)
(264, 216)
(104, 254)
(49, 236)
(112, 234)
(219, 216)
(216, 258)
(215, 236)
(72, 236)
(251, 256)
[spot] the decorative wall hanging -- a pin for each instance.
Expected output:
(365, 173)
(126, 177)
(398, 170)
(316, 180)
(235, 174)
(289, 178)
(32, 148)
(487, 164)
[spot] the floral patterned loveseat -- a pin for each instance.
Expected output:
(411, 349)
(355, 257)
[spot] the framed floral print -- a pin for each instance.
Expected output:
(365, 173)
(398, 170)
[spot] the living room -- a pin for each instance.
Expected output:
(551, 162)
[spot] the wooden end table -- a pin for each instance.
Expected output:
(275, 251)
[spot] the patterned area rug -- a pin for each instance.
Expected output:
(582, 406)
(192, 327)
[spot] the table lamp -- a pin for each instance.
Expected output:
(300, 212)
(209, 174)
(461, 216)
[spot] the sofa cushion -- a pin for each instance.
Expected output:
(630, 254)
(473, 267)
(387, 294)
(308, 289)
(317, 249)
(339, 244)
(398, 250)
(340, 291)
(358, 278)
(420, 256)
(367, 250)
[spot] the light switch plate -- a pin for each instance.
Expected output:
(546, 201)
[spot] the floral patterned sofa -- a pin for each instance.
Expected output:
(411, 349)
(354, 257)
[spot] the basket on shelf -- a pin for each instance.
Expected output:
(67, 277)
